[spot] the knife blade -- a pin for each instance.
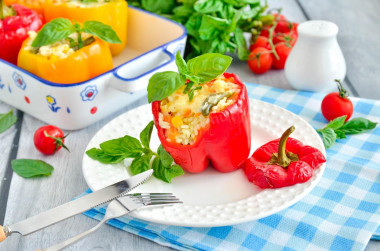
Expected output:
(74, 207)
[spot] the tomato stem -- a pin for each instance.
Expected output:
(343, 93)
(271, 32)
(58, 141)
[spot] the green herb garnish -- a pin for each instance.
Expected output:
(195, 72)
(7, 120)
(28, 168)
(338, 129)
(61, 28)
(116, 150)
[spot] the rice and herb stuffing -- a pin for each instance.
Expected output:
(183, 119)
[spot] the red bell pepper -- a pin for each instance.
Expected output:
(15, 23)
(282, 162)
(225, 142)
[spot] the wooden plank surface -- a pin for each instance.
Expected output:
(29, 197)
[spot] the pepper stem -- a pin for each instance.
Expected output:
(283, 158)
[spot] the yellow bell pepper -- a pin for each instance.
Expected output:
(83, 64)
(113, 13)
(36, 5)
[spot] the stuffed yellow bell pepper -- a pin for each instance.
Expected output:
(111, 12)
(36, 5)
(63, 52)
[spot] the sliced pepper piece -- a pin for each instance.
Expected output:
(225, 142)
(15, 23)
(85, 63)
(283, 162)
(113, 13)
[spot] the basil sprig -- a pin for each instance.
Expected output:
(61, 28)
(28, 168)
(7, 120)
(116, 150)
(338, 129)
(195, 72)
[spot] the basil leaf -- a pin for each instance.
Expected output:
(208, 66)
(211, 27)
(336, 123)
(127, 146)
(208, 6)
(28, 168)
(158, 6)
(102, 157)
(146, 134)
(172, 172)
(140, 164)
(89, 1)
(102, 31)
(162, 84)
(7, 120)
(54, 31)
(357, 125)
(181, 63)
(159, 169)
(328, 137)
(165, 157)
(242, 49)
(340, 134)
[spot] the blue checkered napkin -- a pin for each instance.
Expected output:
(340, 213)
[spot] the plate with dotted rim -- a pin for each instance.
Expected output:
(209, 198)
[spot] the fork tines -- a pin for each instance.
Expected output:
(154, 198)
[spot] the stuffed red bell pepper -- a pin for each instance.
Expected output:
(283, 162)
(15, 23)
(214, 126)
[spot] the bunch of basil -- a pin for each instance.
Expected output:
(212, 25)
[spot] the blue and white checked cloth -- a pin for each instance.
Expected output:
(341, 213)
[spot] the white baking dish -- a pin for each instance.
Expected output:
(152, 44)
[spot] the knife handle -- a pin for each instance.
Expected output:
(3, 236)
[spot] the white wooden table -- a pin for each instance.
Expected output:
(21, 198)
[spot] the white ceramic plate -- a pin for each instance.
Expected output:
(210, 198)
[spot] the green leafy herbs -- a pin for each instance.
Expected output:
(116, 150)
(7, 120)
(28, 168)
(193, 74)
(61, 28)
(213, 26)
(338, 129)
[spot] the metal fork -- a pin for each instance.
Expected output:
(119, 207)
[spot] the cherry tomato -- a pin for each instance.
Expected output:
(260, 60)
(337, 104)
(49, 139)
(265, 31)
(289, 38)
(294, 28)
(282, 51)
(260, 41)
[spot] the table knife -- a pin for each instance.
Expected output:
(74, 207)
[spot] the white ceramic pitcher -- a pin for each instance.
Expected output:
(316, 59)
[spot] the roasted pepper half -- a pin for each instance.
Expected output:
(73, 54)
(15, 23)
(283, 162)
(225, 141)
(113, 13)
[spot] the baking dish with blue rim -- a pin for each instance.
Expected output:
(152, 44)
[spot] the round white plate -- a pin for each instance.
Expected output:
(209, 198)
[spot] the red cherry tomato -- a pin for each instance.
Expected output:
(265, 31)
(337, 104)
(260, 41)
(260, 60)
(290, 38)
(294, 28)
(282, 51)
(49, 139)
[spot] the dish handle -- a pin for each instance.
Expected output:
(134, 75)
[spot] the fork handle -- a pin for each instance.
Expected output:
(74, 239)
